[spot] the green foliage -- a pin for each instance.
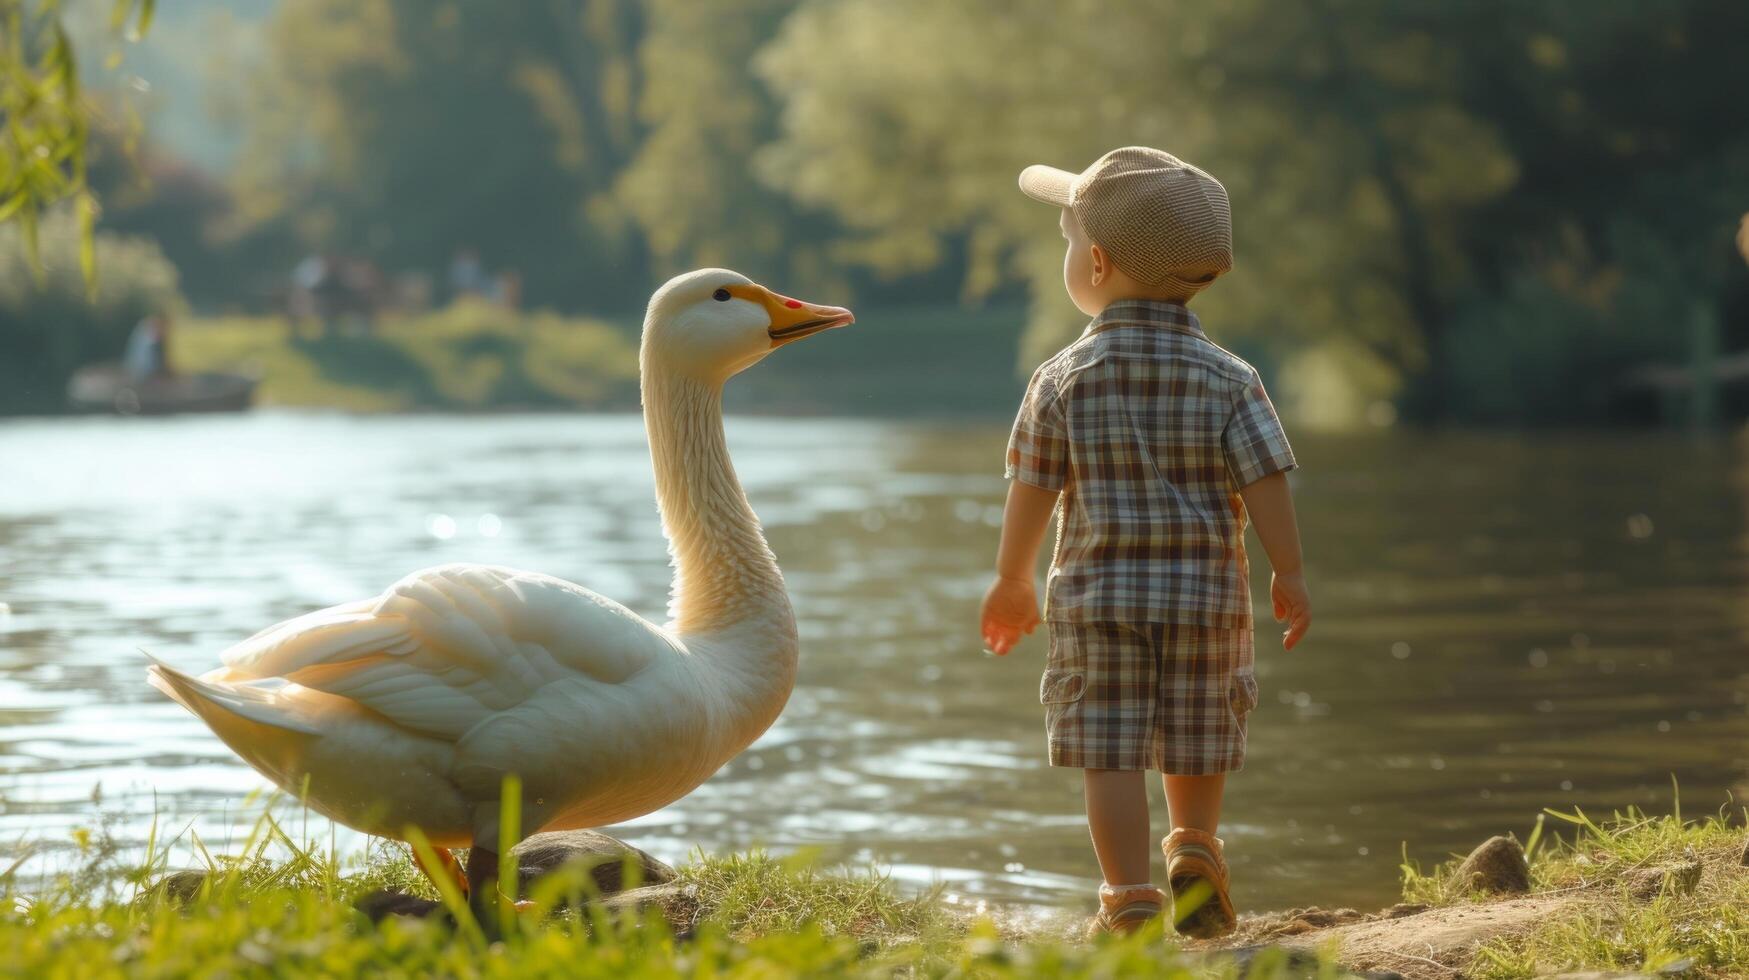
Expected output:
(693, 187)
(52, 320)
(470, 355)
(44, 119)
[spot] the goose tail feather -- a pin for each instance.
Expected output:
(253, 702)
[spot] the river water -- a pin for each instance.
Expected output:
(1503, 624)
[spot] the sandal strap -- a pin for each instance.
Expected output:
(1125, 906)
(1118, 891)
(1200, 849)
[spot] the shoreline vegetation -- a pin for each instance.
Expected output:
(467, 356)
(1629, 895)
(473, 356)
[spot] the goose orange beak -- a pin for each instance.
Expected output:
(792, 319)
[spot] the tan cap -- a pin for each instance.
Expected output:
(1164, 222)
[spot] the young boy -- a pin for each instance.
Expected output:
(1157, 445)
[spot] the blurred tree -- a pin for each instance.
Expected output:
(692, 186)
(1625, 118)
(404, 131)
(148, 191)
(905, 120)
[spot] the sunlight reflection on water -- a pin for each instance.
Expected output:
(1504, 624)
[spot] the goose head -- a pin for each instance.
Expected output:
(713, 323)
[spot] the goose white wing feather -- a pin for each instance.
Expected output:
(445, 648)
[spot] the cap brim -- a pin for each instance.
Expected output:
(1047, 184)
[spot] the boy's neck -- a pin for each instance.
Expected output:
(1183, 301)
(1121, 288)
(1111, 315)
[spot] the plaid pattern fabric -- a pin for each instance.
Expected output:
(1163, 696)
(1150, 431)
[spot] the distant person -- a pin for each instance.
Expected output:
(328, 292)
(467, 276)
(1156, 444)
(361, 284)
(308, 272)
(507, 289)
(148, 349)
(301, 302)
(319, 290)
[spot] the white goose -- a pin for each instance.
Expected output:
(409, 709)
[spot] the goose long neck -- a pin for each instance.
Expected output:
(725, 575)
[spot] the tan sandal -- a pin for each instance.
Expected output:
(1197, 874)
(1126, 908)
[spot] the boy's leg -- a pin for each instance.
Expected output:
(1117, 817)
(1196, 870)
(1194, 801)
(1209, 693)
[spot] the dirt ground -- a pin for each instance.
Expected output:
(1416, 941)
(1421, 942)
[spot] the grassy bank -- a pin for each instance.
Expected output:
(470, 356)
(1629, 893)
(1650, 894)
(476, 357)
(754, 916)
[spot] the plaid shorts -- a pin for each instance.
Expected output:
(1164, 696)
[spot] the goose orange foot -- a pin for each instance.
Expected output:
(450, 869)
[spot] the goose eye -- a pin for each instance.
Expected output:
(721, 296)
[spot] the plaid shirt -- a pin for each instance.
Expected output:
(1149, 430)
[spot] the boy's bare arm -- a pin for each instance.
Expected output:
(1011, 606)
(1271, 506)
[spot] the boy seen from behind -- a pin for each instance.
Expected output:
(1158, 447)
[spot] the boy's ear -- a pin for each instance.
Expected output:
(1101, 265)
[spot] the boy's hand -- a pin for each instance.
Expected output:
(1010, 612)
(1293, 606)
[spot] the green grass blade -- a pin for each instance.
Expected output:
(509, 833)
(200, 845)
(145, 873)
(446, 889)
(86, 206)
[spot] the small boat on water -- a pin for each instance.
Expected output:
(109, 388)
